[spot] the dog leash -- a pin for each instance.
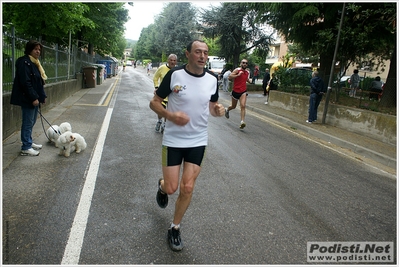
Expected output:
(41, 118)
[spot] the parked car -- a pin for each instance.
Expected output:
(300, 76)
(129, 63)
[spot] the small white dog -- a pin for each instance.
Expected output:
(65, 126)
(54, 131)
(79, 144)
(69, 142)
(64, 143)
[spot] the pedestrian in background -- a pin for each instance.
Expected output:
(376, 89)
(226, 78)
(193, 94)
(317, 90)
(256, 75)
(28, 92)
(355, 82)
(240, 76)
(158, 77)
(265, 81)
(149, 67)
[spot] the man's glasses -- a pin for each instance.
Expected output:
(244, 63)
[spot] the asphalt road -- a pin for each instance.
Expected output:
(262, 194)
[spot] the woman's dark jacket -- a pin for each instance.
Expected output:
(28, 84)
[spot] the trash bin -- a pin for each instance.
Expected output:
(107, 63)
(114, 65)
(100, 73)
(90, 76)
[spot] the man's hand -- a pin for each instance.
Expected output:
(219, 110)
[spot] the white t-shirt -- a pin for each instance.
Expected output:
(190, 94)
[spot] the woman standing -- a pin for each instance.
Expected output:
(28, 92)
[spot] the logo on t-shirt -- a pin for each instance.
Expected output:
(178, 88)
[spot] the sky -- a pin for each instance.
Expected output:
(143, 12)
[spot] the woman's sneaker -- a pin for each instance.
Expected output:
(29, 152)
(36, 146)
(174, 239)
(162, 197)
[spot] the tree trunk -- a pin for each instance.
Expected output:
(325, 66)
(388, 98)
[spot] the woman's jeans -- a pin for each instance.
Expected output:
(29, 116)
(314, 102)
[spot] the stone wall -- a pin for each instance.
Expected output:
(369, 123)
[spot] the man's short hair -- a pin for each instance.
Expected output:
(190, 45)
(172, 55)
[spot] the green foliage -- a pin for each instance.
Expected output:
(98, 25)
(52, 21)
(367, 29)
(236, 29)
(291, 81)
(172, 30)
(109, 19)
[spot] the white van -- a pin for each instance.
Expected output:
(215, 64)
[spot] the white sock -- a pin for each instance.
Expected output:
(177, 226)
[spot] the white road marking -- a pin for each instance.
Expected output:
(76, 236)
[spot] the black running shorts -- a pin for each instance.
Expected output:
(172, 156)
(236, 95)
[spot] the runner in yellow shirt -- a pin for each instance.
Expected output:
(158, 77)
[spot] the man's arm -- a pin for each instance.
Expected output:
(157, 75)
(234, 74)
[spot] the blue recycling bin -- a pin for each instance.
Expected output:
(114, 65)
(108, 66)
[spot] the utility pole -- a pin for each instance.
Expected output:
(323, 121)
(69, 55)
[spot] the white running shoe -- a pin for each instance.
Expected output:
(29, 152)
(36, 146)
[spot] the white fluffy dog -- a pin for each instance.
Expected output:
(64, 143)
(79, 144)
(69, 142)
(54, 131)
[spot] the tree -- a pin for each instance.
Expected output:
(175, 28)
(375, 25)
(109, 20)
(368, 29)
(100, 25)
(52, 22)
(304, 24)
(234, 25)
(146, 45)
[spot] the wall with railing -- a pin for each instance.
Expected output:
(60, 61)
(63, 69)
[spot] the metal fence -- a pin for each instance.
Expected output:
(58, 63)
